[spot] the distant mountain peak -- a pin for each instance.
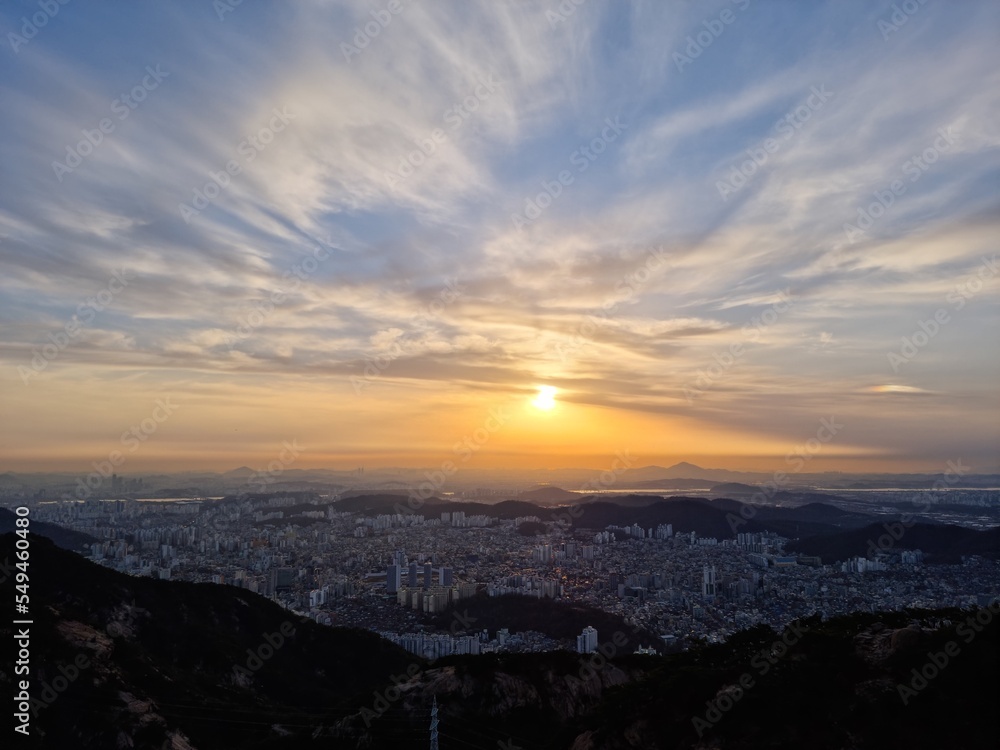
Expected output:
(243, 471)
(685, 465)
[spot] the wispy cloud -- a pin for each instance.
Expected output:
(406, 160)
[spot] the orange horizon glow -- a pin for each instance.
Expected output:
(526, 429)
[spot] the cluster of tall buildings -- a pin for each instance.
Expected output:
(862, 565)
(586, 642)
(435, 645)
(544, 554)
(434, 599)
(757, 543)
(635, 531)
(539, 588)
(335, 590)
(414, 584)
(459, 520)
(708, 583)
(396, 579)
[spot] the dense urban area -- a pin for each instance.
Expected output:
(409, 574)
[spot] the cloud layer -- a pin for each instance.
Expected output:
(708, 225)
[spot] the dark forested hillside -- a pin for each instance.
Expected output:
(120, 661)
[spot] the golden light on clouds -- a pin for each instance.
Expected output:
(892, 388)
(381, 311)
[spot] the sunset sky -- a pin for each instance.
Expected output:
(707, 226)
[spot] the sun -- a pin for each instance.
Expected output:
(546, 398)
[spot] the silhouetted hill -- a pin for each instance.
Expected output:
(531, 528)
(631, 501)
(940, 543)
(162, 659)
(648, 473)
(792, 521)
(63, 537)
(842, 675)
(819, 511)
(685, 469)
(432, 507)
(719, 517)
(803, 497)
(380, 503)
(713, 518)
(548, 495)
(680, 467)
(166, 664)
(507, 509)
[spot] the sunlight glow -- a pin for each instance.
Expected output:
(546, 397)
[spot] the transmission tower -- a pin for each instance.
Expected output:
(434, 724)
